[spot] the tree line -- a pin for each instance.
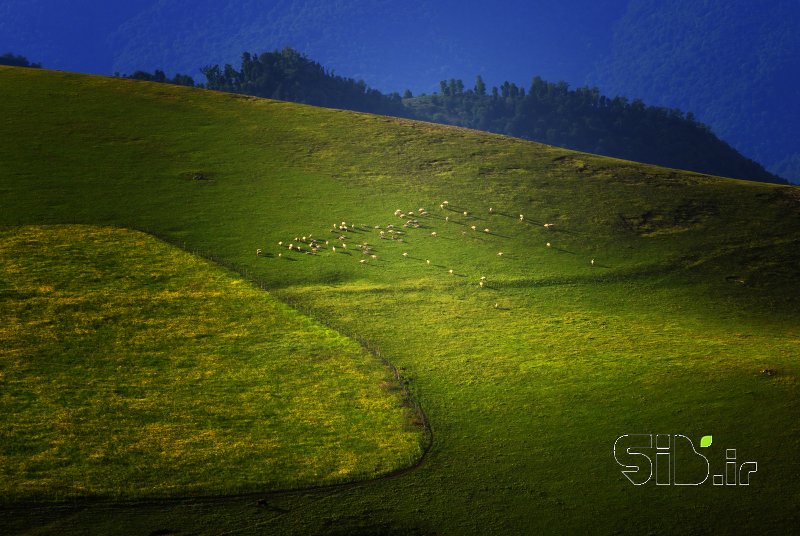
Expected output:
(548, 112)
(17, 61)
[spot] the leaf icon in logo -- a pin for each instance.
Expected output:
(705, 441)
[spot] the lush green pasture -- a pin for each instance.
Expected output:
(526, 381)
(130, 368)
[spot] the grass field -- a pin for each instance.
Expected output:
(132, 369)
(526, 381)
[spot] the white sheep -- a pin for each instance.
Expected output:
(433, 234)
(258, 253)
(466, 213)
(333, 249)
(481, 284)
(548, 244)
(445, 202)
(363, 261)
(487, 230)
(280, 243)
(450, 270)
(548, 225)
(592, 262)
(474, 228)
(427, 261)
(405, 254)
(491, 210)
(447, 218)
(499, 253)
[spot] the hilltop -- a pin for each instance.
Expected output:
(660, 302)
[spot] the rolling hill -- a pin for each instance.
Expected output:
(653, 301)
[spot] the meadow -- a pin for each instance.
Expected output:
(133, 369)
(526, 381)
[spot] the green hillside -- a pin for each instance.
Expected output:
(684, 323)
(131, 368)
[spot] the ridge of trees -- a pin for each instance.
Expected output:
(18, 61)
(581, 119)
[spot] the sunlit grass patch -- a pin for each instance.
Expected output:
(129, 367)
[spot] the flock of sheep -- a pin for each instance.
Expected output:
(310, 245)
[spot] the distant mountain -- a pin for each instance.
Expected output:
(71, 36)
(390, 45)
(734, 63)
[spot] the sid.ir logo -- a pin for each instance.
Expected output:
(673, 460)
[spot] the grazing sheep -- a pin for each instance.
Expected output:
(441, 206)
(433, 234)
(447, 218)
(483, 278)
(450, 270)
(521, 217)
(280, 254)
(280, 243)
(291, 247)
(446, 203)
(592, 262)
(496, 305)
(466, 213)
(427, 261)
(333, 249)
(398, 212)
(405, 254)
(491, 210)
(344, 245)
(326, 242)
(487, 230)
(390, 226)
(363, 261)
(342, 238)
(548, 225)
(481, 283)
(374, 256)
(421, 210)
(474, 228)
(499, 253)
(548, 244)
(258, 253)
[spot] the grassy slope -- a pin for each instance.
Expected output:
(130, 368)
(525, 399)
